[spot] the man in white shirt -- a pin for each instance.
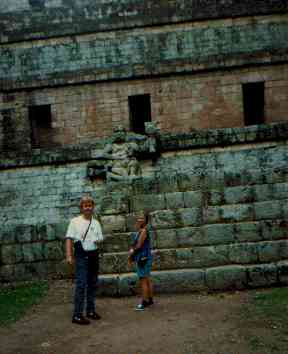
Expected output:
(84, 235)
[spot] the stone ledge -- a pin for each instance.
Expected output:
(73, 19)
(224, 137)
(168, 142)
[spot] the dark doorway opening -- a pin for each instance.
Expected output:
(253, 102)
(41, 126)
(140, 112)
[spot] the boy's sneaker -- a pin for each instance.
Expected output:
(144, 303)
(80, 320)
(140, 307)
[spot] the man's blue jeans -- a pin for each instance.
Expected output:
(87, 267)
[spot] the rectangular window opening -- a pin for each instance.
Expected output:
(140, 112)
(253, 103)
(41, 126)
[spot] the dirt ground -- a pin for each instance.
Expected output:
(176, 324)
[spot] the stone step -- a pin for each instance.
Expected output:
(201, 215)
(205, 235)
(203, 256)
(230, 277)
(208, 197)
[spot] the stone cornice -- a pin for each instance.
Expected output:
(209, 138)
(20, 21)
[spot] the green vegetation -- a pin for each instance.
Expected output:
(265, 321)
(16, 301)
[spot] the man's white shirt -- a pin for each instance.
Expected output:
(77, 229)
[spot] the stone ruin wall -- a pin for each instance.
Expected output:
(217, 201)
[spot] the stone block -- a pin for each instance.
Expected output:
(145, 185)
(165, 238)
(189, 217)
(282, 268)
(113, 223)
(165, 259)
(268, 210)
(8, 235)
(39, 232)
(215, 197)
(213, 179)
(207, 256)
(263, 192)
(11, 254)
(168, 183)
(243, 253)
(148, 203)
(60, 230)
(226, 278)
(24, 233)
(193, 199)
(113, 203)
(53, 250)
(284, 207)
(114, 263)
(51, 233)
(211, 214)
(174, 200)
(179, 281)
(236, 212)
(164, 219)
(109, 285)
(274, 229)
(189, 182)
(7, 273)
(189, 236)
(261, 275)
(32, 252)
(117, 242)
(214, 234)
(247, 231)
(239, 194)
(269, 251)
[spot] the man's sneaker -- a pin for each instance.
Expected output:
(80, 320)
(93, 316)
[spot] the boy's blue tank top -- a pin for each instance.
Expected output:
(146, 247)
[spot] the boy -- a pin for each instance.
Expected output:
(84, 235)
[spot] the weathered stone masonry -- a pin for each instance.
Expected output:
(216, 190)
(219, 212)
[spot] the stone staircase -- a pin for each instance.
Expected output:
(210, 232)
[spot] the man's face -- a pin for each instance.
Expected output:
(87, 208)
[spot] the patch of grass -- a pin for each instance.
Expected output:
(265, 325)
(16, 301)
(272, 304)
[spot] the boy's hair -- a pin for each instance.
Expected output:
(86, 198)
(145, 216)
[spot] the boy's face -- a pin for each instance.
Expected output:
(87, 208)
(140, 222)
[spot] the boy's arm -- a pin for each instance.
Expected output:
(140, 242)
(141, 239)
